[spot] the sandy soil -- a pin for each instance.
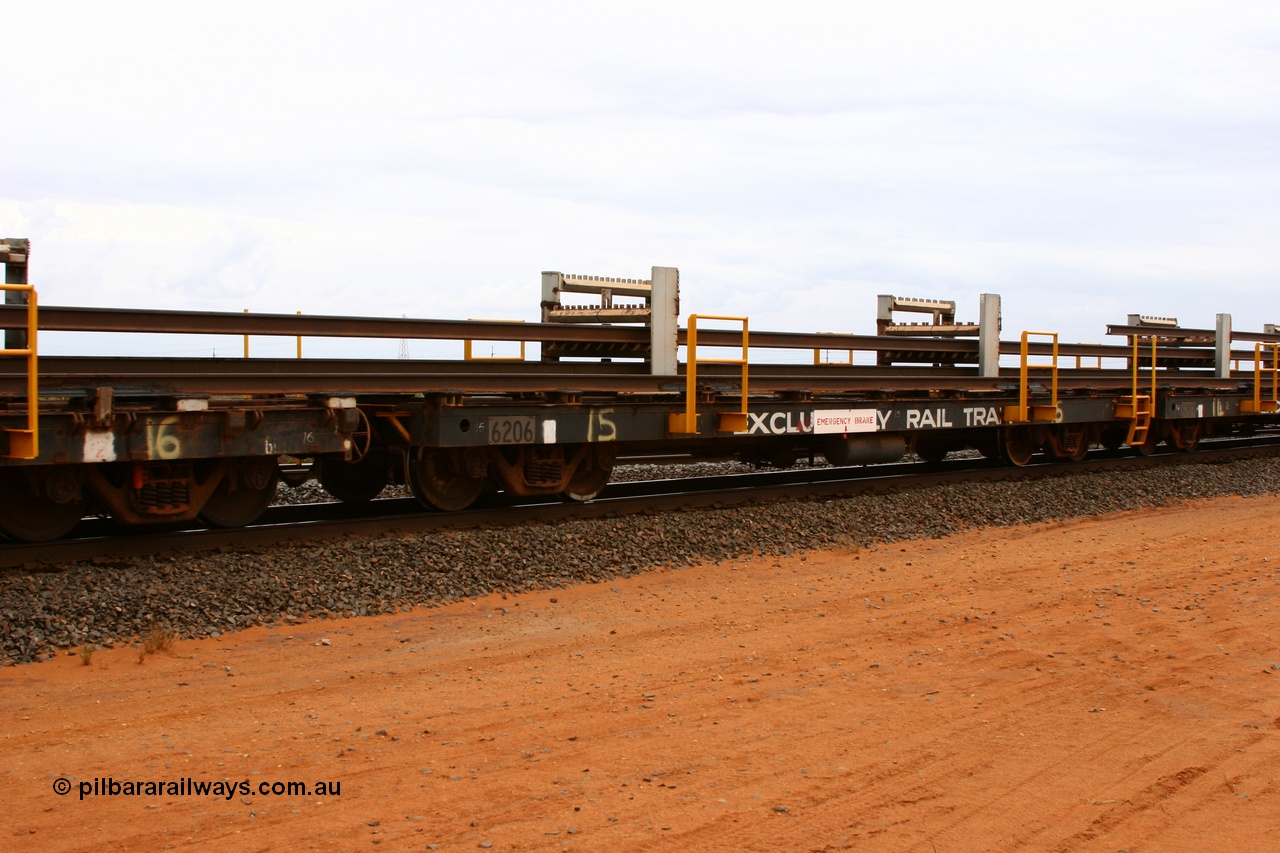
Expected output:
(1105, 684)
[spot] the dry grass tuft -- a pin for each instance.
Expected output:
(158, 639)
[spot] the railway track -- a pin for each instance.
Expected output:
(98, 539)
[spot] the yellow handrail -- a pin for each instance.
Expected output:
(817, 354)
(469, 355)
(686, 422)
(1259, 405)
(25, 443)
(246, 339)
(1153, 367)
(1024, 412)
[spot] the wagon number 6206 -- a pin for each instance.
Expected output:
(512, 429)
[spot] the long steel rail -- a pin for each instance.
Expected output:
(62, 378)
(136, 320)
(940, 364)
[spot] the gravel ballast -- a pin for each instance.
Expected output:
(210, 594)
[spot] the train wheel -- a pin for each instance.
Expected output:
(1148, 444)
(1070, 443)
(1184, 434)
(931, 451)
(245, 491)
(781, 458)
(988, 445)
(355, 482)
(1113, 437)
(444, 478)
(28, 513)
(592, 474)
(1018, 444)
(1155, 434)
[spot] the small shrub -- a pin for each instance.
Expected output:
(158, 639)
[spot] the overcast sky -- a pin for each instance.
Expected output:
(1084, 160)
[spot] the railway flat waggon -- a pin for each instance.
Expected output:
(151, 441)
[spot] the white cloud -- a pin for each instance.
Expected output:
(794, 159)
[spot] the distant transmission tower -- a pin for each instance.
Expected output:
(404, 343)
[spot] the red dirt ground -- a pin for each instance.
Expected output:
(1103, 684)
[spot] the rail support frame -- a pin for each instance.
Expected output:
(660, 311)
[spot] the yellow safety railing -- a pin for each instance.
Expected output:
(1024, 411)
(25, 443)
(1139, 410)
(1097, 362)
(686, 422)
(1258, 405)
(246, 339)
(819, 360)
(468, 351)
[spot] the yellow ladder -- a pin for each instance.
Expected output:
(1139, 409)
(25, 443)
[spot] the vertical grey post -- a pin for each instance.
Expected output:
(15, 252)
(550, 293)
(664, 321)
(1222, 347)
(884, 309)
(884, 319)
(989, 334)
(550, 299)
